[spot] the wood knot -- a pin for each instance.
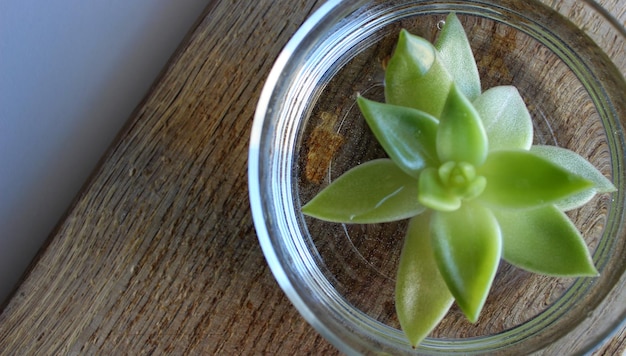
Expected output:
(323, 144)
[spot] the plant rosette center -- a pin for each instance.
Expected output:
(445, 188)
(463, 169)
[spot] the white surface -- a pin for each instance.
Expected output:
(71, 73)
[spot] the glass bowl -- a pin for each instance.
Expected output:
(568, 63)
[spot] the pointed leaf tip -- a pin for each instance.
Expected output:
(520, 179)
(456, 53)
(407, 135)
(544, 241)
(573, 162)
(467, 245)
(505, 117)
(422, 297)
(461, 136)
(375, 191)
(415, 76)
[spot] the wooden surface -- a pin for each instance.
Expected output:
(158, 253)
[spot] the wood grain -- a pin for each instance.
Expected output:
(158, 253)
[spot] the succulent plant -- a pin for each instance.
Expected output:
(461, 166)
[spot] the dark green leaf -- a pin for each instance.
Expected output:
(416, 77)
(461, 136)
(407, 135)
(375, 191)
(545, 241)
(422, 297)
(520, 179)
(467, 245)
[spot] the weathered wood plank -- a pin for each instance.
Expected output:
(159, 252)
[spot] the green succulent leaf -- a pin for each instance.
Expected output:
(433, 194)
(545, 241)
(372, 192)
(407, 135)
(573, 162)
(461, 136)
(467, 245)
(422, 297)
(416, 77)
(520, 179)
(456, 54)
(505, 118)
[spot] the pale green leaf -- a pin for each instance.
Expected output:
(407, 135)
(505, 118)
(433, 194)
(422, 297)
(545, 241)
(458, 58)
(467, 245)
(375, 191)
(520, 179)
(461, 136)
(575, 163)
(416, 76)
